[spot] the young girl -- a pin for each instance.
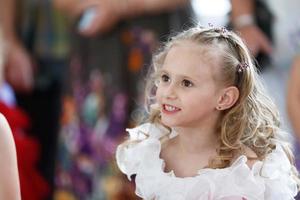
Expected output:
(211, 131)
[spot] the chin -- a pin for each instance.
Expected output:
(170, 123)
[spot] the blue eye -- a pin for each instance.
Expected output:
(186, 83)
(165, 78)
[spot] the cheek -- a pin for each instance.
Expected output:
(158, 95)
(195, 100)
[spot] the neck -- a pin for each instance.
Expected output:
(196, 140)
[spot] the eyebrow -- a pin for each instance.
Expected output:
(162, 71)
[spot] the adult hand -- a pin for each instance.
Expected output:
(255, 39)
(18, 67)
(107, 13)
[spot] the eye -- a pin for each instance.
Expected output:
(186, 83)
(165, 78)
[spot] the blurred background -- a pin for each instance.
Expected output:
(72, 80)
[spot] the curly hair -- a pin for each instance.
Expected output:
(253, 121)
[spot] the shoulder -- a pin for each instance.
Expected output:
(9, 172)
(6, 139)
(3, 121)
(7, 145)
(277, 171)
(269, 179)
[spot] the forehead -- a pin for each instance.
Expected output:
(188, 58)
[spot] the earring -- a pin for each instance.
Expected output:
(219, 108)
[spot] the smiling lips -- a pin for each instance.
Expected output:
(169, 109)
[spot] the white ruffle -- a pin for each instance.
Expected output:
(143, 144)
(268, 180)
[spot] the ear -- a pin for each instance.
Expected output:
(228, 98)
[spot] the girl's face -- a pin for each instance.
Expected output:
(187, 93)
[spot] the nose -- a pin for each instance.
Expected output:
(170, 91)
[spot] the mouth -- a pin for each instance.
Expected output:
(169, 109)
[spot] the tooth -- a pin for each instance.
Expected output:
(170, 108)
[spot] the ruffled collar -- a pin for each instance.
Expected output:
(241, 160)
(269, 178)
(155, 132)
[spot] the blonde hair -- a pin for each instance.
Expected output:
(253, 121)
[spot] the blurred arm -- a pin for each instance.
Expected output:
(9, 177)
(242, 7)
(293, 97)
(107, 13)
(139, 7)
(8, 19)
(129, 8)
(19, 72)
(242, 17)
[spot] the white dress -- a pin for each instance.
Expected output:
(269, 180)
